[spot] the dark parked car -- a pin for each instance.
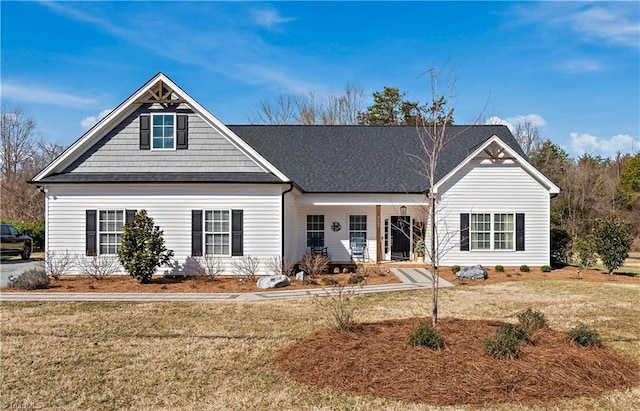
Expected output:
(14, 243)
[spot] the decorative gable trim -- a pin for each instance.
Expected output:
(162, 90)
(496, 149)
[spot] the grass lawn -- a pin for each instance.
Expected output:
(220, 355)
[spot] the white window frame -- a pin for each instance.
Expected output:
(175, 133)
(100, 232)
(492, 231)
(495, 232)
(315, 231)
(351, 232)
(213, 233)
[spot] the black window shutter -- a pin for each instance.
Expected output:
(464, 232)
(196, 233)
(145, 132)
(129, 215)
(520, 232)
(91, 232)
(182, 132)
(236, 232)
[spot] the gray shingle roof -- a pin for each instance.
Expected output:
(361, 159)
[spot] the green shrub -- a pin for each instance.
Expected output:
(142, 249)
(455, 268)
(560, 246)
(584, 335)
(586, 251)
(507, 341)
(499, 269)
(524, 268)
(545, 269)
(613, 241)
(426, 335)
(532, 320)
(33, 279)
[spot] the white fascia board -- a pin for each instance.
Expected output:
(552, 188)
(127, 107)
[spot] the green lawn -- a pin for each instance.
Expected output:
(103, 356)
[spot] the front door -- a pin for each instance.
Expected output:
(400, 238)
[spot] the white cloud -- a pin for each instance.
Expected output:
(535, 119)
(42, 95)
(268, 18)
(587, 143)
(90, 121)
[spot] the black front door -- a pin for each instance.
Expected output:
(400, 238)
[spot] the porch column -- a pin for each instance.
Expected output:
(379, 238)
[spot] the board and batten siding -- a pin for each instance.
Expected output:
(170, 206)
(496, 188)
(119, 150)
(337, 242)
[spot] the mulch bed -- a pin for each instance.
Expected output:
(375, 359)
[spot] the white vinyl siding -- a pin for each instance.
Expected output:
(170, 206)
(495, 188)
(217, 232)
(110, 226)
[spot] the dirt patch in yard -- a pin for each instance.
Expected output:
(375, 359)
(220, 284)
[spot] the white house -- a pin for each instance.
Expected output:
(232, 191)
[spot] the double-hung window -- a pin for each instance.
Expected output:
(357, 226)
(503, 231)
(110, 226)
(480, 231)
(217, 232)
(163, 131)
(315, 230)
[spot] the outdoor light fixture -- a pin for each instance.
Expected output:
(403, 211)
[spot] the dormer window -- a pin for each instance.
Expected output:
(163, 131)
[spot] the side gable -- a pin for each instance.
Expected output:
(494, 150)
(114, 144)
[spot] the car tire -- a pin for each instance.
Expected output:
(26, 252)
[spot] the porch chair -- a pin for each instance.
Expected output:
(317, 248)
(357, 247)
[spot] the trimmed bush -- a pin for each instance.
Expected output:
(426, 335)
(524, 268)
(507, 342)
(532, 320)
(545, 269)
(33, 279)
(455, 268)
(499, 269)
(584, 335)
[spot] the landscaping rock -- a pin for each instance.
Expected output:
(301, 276)
(477, 272)
(273, 281)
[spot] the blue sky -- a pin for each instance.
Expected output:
(572, 68)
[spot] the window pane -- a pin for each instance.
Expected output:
(157, 120)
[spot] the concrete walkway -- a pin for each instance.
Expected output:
(412, 279)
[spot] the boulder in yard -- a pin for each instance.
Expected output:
(477, 272)
(273, 281)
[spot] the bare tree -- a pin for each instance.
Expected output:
(17, 143)
(311, 108)
(528, 136)
(434, 136)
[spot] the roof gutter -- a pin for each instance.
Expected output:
(282, 219)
